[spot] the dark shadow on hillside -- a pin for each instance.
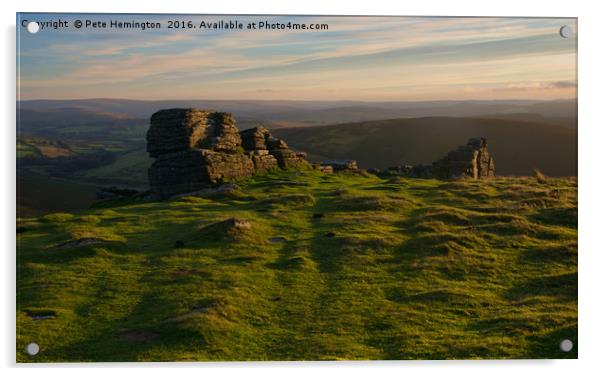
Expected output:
(565, 254)
(128, 338)
(557, 216)
(563, 287)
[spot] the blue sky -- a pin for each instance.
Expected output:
(357, 58)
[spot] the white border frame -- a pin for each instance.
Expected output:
(590, 252)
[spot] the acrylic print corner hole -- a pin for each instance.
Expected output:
(232, 187)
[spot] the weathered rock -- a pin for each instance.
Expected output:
(288, 159)
(221, 134)
(255, 138)
(181, 129)
(175, 130)
(471, 160)
(195, 148)
(403, 170)
(467, 161)
(192, 170)
(274, 143)
(325, 169)
(342, 165)
(263, 160)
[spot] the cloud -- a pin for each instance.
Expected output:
(563, 84)
(369, 56)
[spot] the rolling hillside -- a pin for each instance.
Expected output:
(518, 146)
(75, 123)
(325, 267)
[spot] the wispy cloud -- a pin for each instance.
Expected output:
(356, 58)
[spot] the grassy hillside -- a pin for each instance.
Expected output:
(332, 267)
(81, 124)
(517, 146)
(129, 169)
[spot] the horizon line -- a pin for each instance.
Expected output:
(302, 100)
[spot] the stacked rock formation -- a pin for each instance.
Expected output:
(471, 160)
(467, 161)
(194, 148)
(268, 151)
(254, 143)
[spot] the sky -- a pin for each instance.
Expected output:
(357, 58)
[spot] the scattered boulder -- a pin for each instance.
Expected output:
(194, 149)
(342, 165)
(230, 228)
(325, 169)
(403, 170)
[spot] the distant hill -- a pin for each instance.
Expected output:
(68, 123)
(517, 146)
(280, 113)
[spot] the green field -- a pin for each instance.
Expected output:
(332, 267)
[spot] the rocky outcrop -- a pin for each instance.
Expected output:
(195, 148)
(471, 161)
(467, 161)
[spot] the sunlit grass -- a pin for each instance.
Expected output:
(333, 267)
